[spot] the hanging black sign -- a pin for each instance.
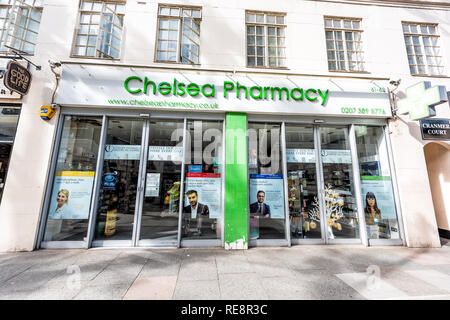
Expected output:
(17, 78)
(435, 129)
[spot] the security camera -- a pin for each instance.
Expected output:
(54, 64)
(395, 82)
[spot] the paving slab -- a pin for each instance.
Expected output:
(197, 290)
(198, 268)
(372, 290)
(233, 263)
(269, 264)
(153, 288)
(106, 292)
(432, 277)
(427, 257)
(287, 288)
(118, 274)
(299, 272)
(243, 286)
(412, 284)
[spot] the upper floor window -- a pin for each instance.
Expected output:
(344, 44)
(178, 34)
(19, 24)
(99, 32)
(266, 39)
(422, 48)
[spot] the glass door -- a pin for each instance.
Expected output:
(117, 200)
(339, 201)
(304, 204)
(158, 222)
(202, 214)
(266, 184)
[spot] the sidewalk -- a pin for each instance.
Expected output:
(300, 272)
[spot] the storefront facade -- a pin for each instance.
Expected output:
(269, 161)
(232, 145)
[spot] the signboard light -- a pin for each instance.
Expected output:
(421, 100)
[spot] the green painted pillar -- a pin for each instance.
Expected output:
(236, 229)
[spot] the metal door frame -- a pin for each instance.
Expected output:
(117, 243)
(199, 243)
(270, 242)
(349, 129)
(319, 183)
(153, 242)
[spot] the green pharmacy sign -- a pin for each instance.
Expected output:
(421, 99)
(137, 85)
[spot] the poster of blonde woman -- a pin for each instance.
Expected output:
(71, 196)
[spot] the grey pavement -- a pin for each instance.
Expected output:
(300, 272)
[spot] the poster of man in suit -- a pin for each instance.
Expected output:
(260, 208)
(195, 211)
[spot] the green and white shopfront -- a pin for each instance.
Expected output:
(181, 158)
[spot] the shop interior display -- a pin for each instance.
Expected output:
(300, 198)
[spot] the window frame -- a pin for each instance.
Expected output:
(37, 5)
(266, 26)
(179, 19)
(422, 47)
(77, 28)
(343, 30)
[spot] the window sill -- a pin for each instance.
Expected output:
(94, 58)
(267, 68)
(13, 54)
(430, 76)
(348, 71)
(178, 63)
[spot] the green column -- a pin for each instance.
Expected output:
(236, 230)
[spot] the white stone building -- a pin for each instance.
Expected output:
(337, 147)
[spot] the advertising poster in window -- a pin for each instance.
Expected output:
(379, 187)
(165, 153)
(122, 152)
(71, 196)
(300, 156)
(209, 190)
(110, 181)
(152, 185)
(266, 195)
(336, 156)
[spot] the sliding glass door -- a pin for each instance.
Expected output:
(116, 208)
(202, 213)
(304, 205)
(340, 207)
(162, 187)
(267, 220)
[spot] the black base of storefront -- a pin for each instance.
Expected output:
(444, 233)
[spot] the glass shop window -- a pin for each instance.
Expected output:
(73, 183)
(376, 183)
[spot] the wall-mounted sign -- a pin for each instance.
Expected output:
(4, 91)
(17, 78)
(421, 99)
(435, 129)
(205, 91)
